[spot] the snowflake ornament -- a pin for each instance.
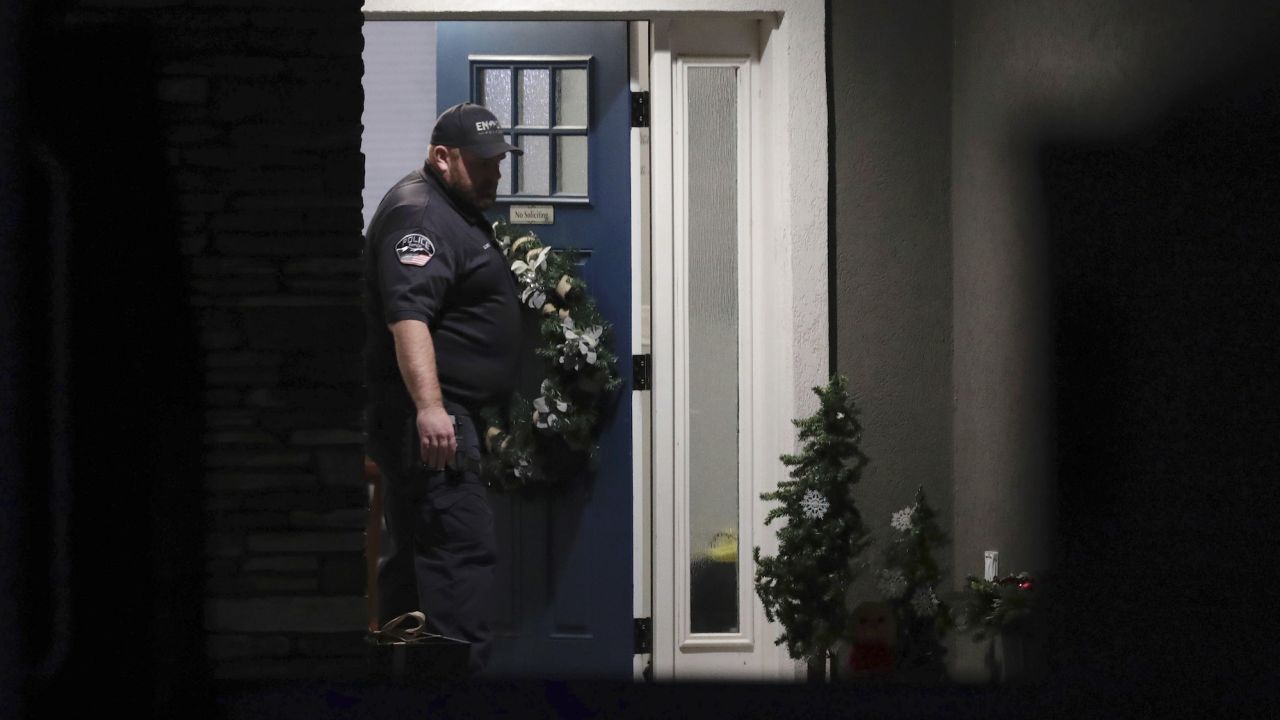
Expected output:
(814, 504)
(902, 519)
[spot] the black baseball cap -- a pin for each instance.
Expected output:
(471, 127)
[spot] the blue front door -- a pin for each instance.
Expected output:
(563, 595)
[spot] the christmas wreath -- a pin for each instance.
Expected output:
(541, 442)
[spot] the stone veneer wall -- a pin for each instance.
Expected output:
(261, 108)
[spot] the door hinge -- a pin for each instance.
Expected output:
(640, 109)
(641, 374)
(643, 635)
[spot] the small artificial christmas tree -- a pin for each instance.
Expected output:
(804, 587)
(909, 582)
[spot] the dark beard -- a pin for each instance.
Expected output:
(478, 202)
(465, 196)
(471, 197)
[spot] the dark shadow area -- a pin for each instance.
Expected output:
(586, 699)
(111, 414)
(17, 362)
(1165, 253)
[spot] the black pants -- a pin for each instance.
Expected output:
(438, 553)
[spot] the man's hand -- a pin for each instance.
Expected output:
(436, 441)
(416, 356)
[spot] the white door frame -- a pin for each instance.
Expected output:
(681, 44)
(641, 331)
(793, 201)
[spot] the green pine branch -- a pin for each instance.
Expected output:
(804, 586)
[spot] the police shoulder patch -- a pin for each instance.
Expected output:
(415, 249)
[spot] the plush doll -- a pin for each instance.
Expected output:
(875, 634)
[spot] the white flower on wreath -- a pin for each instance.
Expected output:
(578, 343)
(585, 340)
(901, 520)
(544, 417)
(533, 296)
(531, 262)
(523, 469)
(536, 258)
(891, 583)
(924, 601)
(526, 272)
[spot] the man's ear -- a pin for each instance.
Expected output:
(438, 156)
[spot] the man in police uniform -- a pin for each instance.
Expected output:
(442, 334)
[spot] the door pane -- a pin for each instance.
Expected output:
(495, 89)
(535, 98)
(571, 96)
(571, 165)
(535, 165)
(712, 200)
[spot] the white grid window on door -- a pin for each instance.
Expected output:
(544, 102)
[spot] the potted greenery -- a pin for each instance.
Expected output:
(1000, 610)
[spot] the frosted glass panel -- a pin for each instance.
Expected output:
(571, 97)
(535, 98)
(495, 89)
(571, 165)
(504, 183)
(535, 165)
(712, 162)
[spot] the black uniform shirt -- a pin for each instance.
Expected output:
(430, 256)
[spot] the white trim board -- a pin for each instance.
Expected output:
(641, 299)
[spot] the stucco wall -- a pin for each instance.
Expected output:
(942, 307)
(399, 103)
(891, 94)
